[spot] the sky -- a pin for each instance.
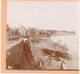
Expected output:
(44, 15)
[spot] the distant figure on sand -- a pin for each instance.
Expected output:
(63, 65)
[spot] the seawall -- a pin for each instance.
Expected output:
(13, 53)
(19, 56)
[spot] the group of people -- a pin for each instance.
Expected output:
(62, 65)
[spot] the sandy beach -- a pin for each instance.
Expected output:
(70, 43)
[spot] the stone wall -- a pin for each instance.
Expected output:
(13, 53)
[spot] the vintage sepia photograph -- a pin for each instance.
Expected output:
(42, 35)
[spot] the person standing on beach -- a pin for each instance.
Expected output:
(63, 65)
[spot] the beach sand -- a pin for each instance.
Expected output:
(68, 43)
